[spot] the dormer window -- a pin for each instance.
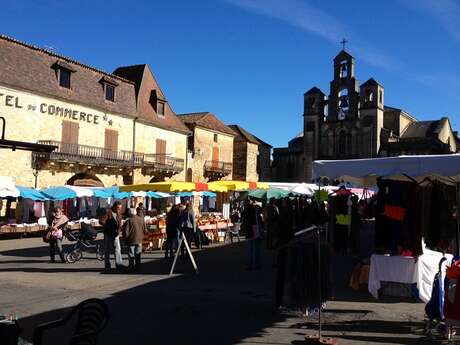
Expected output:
(63, 73)
(158, 103)
(108, 86)
(161, 108)
(109, 92)
(64, 78)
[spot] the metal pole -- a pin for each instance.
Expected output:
(457, 235)
(318, 233)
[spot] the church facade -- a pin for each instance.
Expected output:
(354, 122)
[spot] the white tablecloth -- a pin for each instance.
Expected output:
(402, 269)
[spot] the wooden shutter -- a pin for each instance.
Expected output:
(111, 143)
(215, 157)
(69, 137)
(161, 150)
(111, 140)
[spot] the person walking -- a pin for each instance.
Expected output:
(172, 230)
(112, 223)
(271, 219)
(55, 233)
(133, 233)
(252, 226)
(188, 225)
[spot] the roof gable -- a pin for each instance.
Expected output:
(248, 137)
(206, 120)
(147, 92)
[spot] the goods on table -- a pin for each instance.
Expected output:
(155, 235)
(214, 225)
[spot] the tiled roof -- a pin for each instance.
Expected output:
(371, 82)
(314, 90)
(422, 129)
(30, 68)
(244, 134)
(206, 120)
(147, 90)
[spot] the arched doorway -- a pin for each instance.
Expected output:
(85, 180)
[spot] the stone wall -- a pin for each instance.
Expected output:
(203, 144)
(251, 162)
(264, 163)
(240, 154)
(31, 117)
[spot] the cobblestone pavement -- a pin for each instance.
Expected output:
(223, 304)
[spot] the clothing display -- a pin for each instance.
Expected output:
(408, 211)
(297, 276)
(344, 221)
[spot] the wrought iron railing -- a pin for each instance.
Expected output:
(93, 155)
(164, 162)
(218, 167)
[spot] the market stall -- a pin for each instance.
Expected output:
(417, 203)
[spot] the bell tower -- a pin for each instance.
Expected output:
(313, 117)
(371, 113)
(344, 93)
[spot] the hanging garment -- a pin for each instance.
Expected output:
(300, 289)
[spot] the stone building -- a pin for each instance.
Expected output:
(251, 156)
(107, 128)
(210, 148)
(354, 122)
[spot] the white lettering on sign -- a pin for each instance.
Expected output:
(13, 101)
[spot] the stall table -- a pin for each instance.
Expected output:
(403, 269)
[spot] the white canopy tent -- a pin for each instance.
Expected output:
(442, 167)
(367, 170)
(8, 187)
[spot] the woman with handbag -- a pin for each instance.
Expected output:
(55, 233)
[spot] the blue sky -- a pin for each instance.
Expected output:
(250, 61)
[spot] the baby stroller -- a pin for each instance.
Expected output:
(85, 239)
(434, 309)
(452, 297)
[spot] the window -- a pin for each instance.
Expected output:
(342, 143)
(380, 97)
(69, 137)
(343, 69)
(160, 151)
(111, 143)
(64, 78)
(369, 96)
(161, 108)
(215, 138)
(109, 92)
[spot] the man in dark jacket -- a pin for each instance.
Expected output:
(133, 233)
(187, 225)
(112, 222)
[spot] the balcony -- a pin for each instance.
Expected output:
(102, 160)
(216, 169)
(161, 165)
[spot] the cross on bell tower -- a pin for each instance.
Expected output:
(344, 41)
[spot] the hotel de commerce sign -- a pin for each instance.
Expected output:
(48, 108)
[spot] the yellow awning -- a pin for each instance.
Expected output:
(262, 185)
(230, 185)
(170, 186)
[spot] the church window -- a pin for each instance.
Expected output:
(369, 96)
(343, 69)
(342, 143)
(324, 145)
(312, 102)
(343, 104)
(380, 97)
